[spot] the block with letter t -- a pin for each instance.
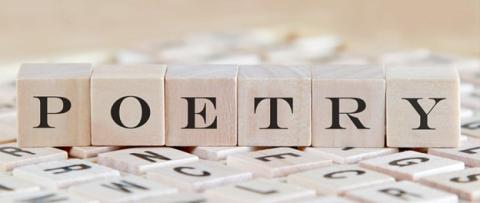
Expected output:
(422, 107)
(201, 105)
(274, 106)
(53, 105)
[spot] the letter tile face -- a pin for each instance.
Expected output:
(182, 197)
(411, 165)
(348, 106)
(326, 199)
(219, 153)
(89, 152)
(274, 106)
(464, 183)
(260, 190)
(47, 197)
(399, 192)
(128, 105)
(8, 127)
(139, 160)
(198, 176)
(423, 108)
(63, 174)
(123, 189)
(469, 154)
(12, 156)
(471, 126)
(15, 186)
(337, 179)
(201, 104)
(350, 155)
(276, 162)
(53, 103)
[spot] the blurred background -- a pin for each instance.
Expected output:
(31, 29)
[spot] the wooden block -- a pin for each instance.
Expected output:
(128, 105)
(403, 191)
(63, 174)
(464, 183)
(469, 154)
(411, 165)
(219, 153)
(15, 186)
(471, 126)
(348, 106)
(139, 160)
(338, 179)
(125, 189)
(198, 176)
(53, 105)
(47, 197)
(277, 162)
(8, 127)
(274, 106)
(423, 107)
(260, 190)
(350, 155)
(201, 105)
(89, 152)
(12, 156)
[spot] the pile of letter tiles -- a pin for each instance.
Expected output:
(248, 174)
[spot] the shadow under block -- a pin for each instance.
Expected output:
(274, 106)
(201, 105)
(128, 105)
(348, 106)
(422, 107)
(53, 105)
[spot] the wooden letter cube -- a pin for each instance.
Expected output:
(128, 105)
(274, 106)
(423, 107)
(53, 105)
(348, 106)
(201, 105)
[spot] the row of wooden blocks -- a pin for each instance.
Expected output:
(229, 105)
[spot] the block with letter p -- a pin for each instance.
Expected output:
(53, 105)
(423, 107)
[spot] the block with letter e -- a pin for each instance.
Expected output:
(423, 107)
(201, 105)
(53, 105)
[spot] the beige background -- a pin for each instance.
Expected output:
(43, 27)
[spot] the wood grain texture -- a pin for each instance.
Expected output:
(433, 89)
(290, 88)
(348, 106)
(137, 91)
(212, 89)
(70, 81)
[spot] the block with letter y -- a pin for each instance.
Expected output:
(422, 107)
